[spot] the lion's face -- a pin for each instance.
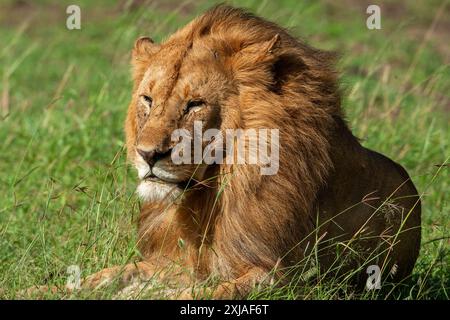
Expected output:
(173, 91)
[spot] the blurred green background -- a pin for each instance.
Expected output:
(66, 192)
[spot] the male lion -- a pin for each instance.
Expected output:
(229, 69)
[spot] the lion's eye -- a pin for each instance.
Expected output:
(194, 105)
(146, 101)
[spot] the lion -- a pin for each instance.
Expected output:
(230, 69)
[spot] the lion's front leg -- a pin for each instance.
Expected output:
(235, 289)
(125, 275)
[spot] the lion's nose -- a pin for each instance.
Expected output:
(152, 156)
(148, 156)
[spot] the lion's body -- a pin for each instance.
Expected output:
(328, 186)
(237, 224)
(367, 197)
(362, 203)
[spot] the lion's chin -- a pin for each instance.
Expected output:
(152, 190)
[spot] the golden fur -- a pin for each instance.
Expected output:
(234, 223)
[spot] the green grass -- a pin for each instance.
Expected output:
(66, 193)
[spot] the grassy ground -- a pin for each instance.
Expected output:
(66, 194)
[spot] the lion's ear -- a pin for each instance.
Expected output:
(272, 44)
(269, 63)
(261, 51)
(144, 47)
(254, 63)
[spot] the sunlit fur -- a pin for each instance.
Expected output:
(237, 224)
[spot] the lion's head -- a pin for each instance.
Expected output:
(176, 84)
(229, 70)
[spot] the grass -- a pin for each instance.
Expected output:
(66, 193)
